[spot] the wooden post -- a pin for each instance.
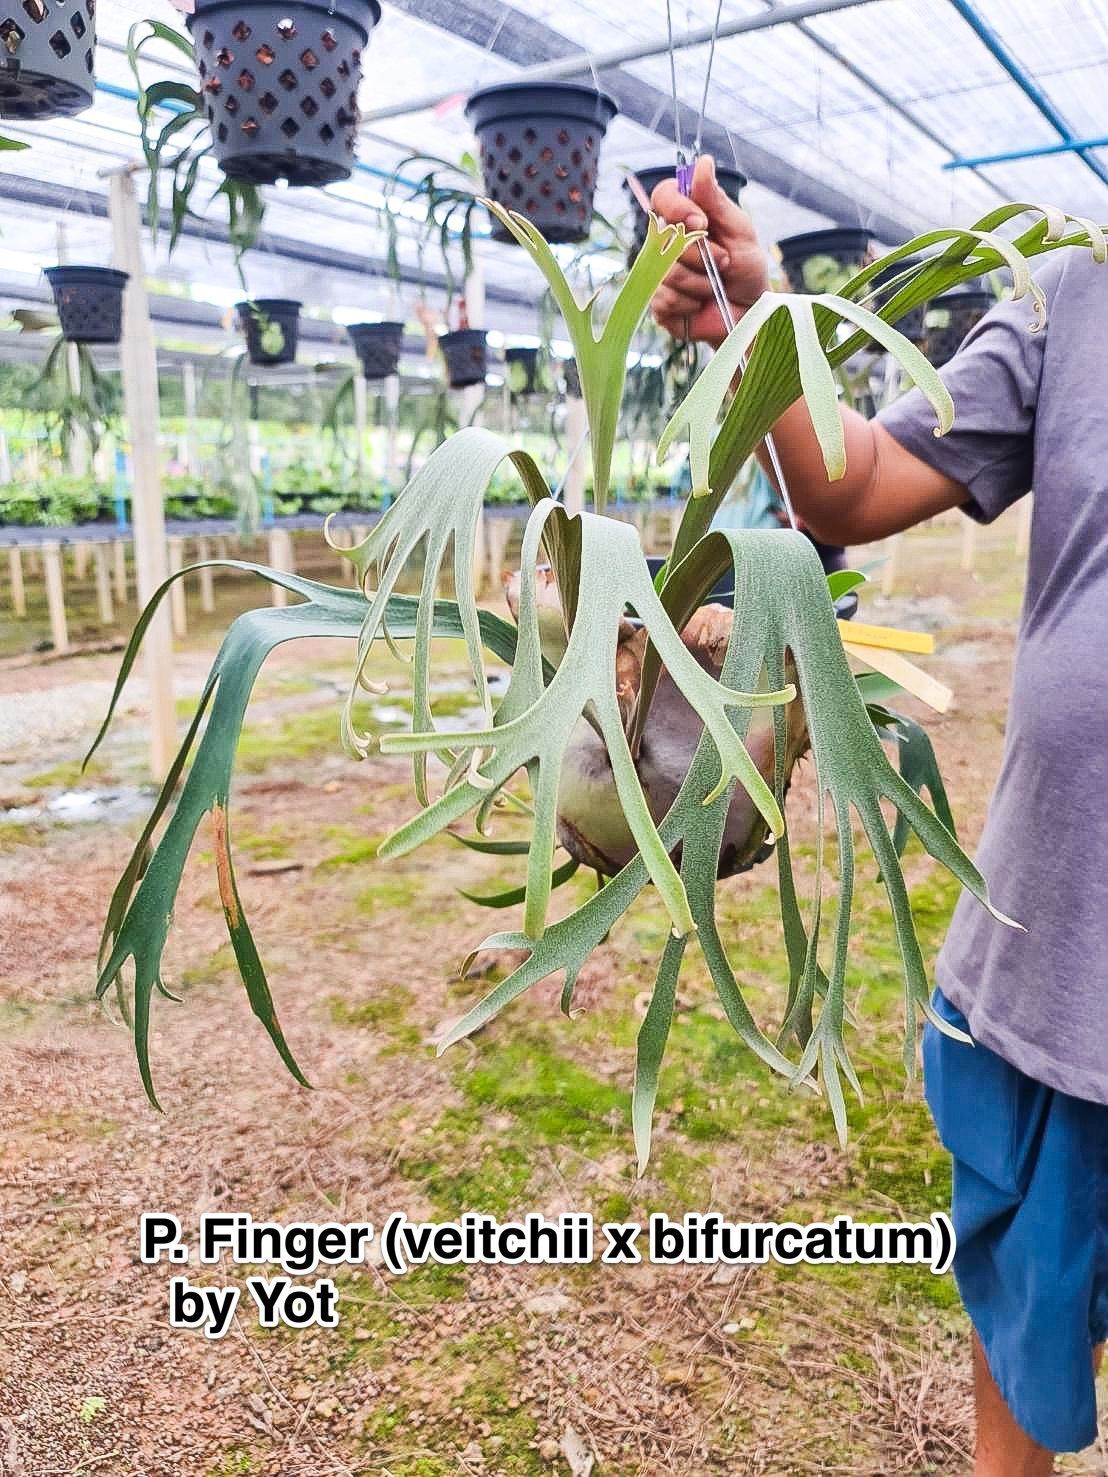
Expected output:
(103, 585)
(573, 485)
(499, 532)
(475, 317)
(119, 570)
(139, 365)
(1023, 526)
(281, 556)
(361, 423)
(15, 568)
(177, 589)
(80, 559)
(78, 441)
(188, 384)
(892, 564)
(969, 545)
(55, 596)
(480, 553)
(207, 585)
(392, 449)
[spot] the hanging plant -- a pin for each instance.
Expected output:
(89, 302)
(824, 261)
(378, 347)
(731, 181)
(540, 152)
(89, 403)
(280, 85)
(272, 329)
(47, 55)
(660, 749)
(526, 371)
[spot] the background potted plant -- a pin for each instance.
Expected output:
(378, 347)
(280, 85)
(823, 261)
(47, 57)
(950, 317)
(89, 302)
(540, 151)
(272, 329)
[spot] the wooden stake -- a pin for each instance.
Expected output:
(1023, 527)
(103, 585)
(207, 584)
(15, 568)
(119, 564)
(80, 559)
(281, 557)
(139, 366)
(177, 589)
(55, 596)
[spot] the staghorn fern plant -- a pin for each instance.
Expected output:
(679, 727)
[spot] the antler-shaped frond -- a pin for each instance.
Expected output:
(699, 411)
(601, 354)
(438, 510)
(536, 722)
(142, 904)
(786, 608)
(772, 381)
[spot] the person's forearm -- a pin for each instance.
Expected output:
(884, 489)
(829, 509)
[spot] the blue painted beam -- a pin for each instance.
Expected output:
(1027, 84)
(1036, 151)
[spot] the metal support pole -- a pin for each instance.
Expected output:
(361, 424)
(583, 63)
(140, 397)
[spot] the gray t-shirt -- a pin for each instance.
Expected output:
(1029, 407)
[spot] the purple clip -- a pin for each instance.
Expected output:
(685, 177)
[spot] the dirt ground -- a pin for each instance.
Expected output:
(485, 1370)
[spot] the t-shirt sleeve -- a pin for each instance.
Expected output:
(994, 382)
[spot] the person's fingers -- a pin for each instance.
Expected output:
(725, 219)
(690, 257)
(673, 304)
(676, 209)
(691, 281)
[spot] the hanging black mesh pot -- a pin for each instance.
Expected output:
(913, 323)
(951, 316)
(730, 181)
(280, 85)
(272, 329)
(821, 261)
(377, 346)
(526, 371)
(46, 57)
(90, 303)
(571, 379)
(464, 352)
(540, 147)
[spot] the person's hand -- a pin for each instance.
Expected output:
(684, 305)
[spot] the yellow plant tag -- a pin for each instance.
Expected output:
(888, 637)
(899, 669)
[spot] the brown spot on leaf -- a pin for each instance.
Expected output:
(223, 865)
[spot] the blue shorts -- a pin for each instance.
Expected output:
(1030, 1212)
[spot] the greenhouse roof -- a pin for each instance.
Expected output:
(853, 115)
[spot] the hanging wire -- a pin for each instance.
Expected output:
(673, 85)
(707, 80)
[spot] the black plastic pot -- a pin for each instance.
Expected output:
(540, 148)
(830, 555)
(90, 303)
(528, 375)
(261, 319)
(820, 261)
(465, 355)
(280, 85)
(46, 57)
(730, 180)
(571, 379)
(377, 346)
(951, 316)
(913, 323)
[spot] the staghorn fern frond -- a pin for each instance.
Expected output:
(772, 379)
(783, 595)
(536, 721)
(601, 354)
(142, 905)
